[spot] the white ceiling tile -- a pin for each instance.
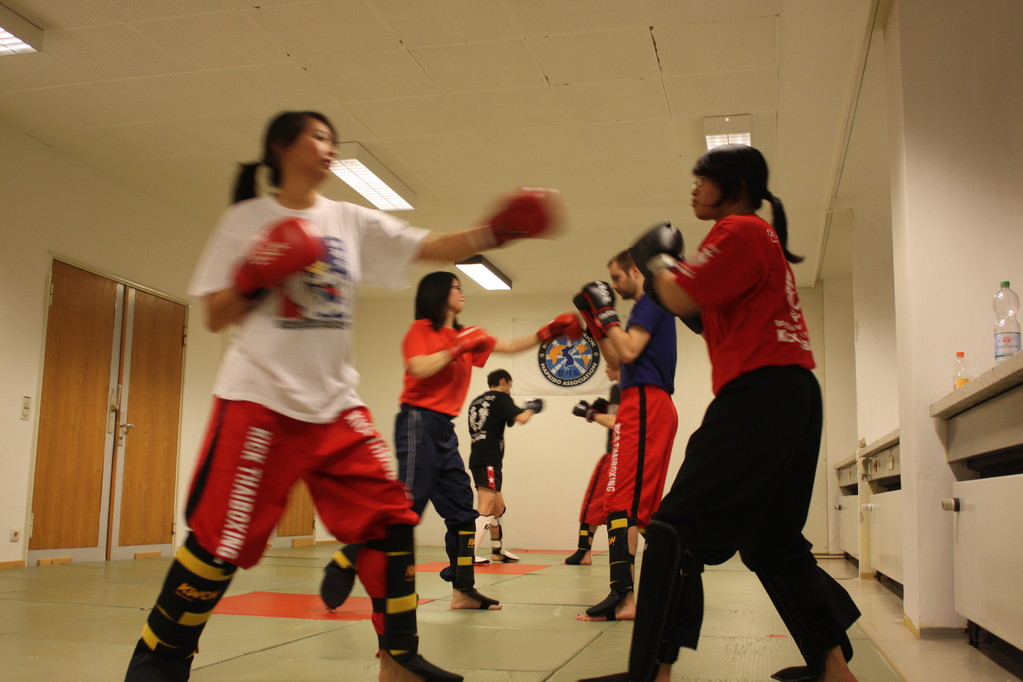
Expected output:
(479, 179)
(641, 169)
(626, 138)
(588, 57)
(144, 10)
(237, 135)
(412, 116)
(106, 52)
(372, 75)
(533, 144)
(445, 22)
(437, 151)
(615, 101)
(702, 95)
(159, 98)
(347, 126)
(270, 86)
(670, 12)
(545, 18)
(472, 67)
(53, 15)
(35, 70)
(507, 109)
(720, 46)
(556, 173)
(213, 40)
(322, 29)
(76, 106)
(142, 140)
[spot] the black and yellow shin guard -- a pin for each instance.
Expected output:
(465, 576)
(621, 561)
(339, 576)
(195, 583)
(585, 543)
(388, 570)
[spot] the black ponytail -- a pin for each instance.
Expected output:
(740, 172)
(780, 223)
(245, 183)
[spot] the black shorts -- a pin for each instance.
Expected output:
(487, 476)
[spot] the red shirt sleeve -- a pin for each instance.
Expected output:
(726, 266)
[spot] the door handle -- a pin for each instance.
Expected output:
(951, 504)
(124, 431)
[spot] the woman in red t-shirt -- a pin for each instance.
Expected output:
(747, 478)
(439, 356)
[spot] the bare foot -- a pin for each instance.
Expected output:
(835, 667)
(586, 560)
(624, 610)
(390, 671)
(466, 600)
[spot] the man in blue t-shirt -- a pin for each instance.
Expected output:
(644, 431)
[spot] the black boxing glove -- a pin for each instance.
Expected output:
(660, 248)
(601, 405)
(597, 304)
(584, 410)
(535, 405)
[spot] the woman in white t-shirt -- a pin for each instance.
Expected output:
(282, 270)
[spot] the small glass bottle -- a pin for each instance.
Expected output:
(960, 376)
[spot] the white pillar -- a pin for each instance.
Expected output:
(954, 74)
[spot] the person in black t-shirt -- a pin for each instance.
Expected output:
(489, 414)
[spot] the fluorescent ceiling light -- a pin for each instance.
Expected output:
(370, 178)
(17, 34)
(485, 273)
(721, 130)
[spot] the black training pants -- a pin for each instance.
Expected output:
(745, 486)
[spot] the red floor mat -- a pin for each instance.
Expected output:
(496, 569)
(285, 605)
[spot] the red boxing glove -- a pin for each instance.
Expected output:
(565, 324)
(526, 215)
(470, 340)
(286, 248)
(591, 322)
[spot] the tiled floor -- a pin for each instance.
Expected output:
(80, 621)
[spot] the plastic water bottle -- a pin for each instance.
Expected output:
(1006, 305)
(960, 375)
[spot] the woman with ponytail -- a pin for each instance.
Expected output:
(747, 477)
(281, 270)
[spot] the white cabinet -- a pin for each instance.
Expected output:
(984, 443)
(988, 539)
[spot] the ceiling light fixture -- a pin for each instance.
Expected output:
(485, 273)
(721, 130)
(17, 34)
(370, 178)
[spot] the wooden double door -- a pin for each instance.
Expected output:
(109, 416)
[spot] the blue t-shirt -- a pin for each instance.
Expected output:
(656, 364)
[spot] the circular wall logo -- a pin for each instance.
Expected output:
(568, 362)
